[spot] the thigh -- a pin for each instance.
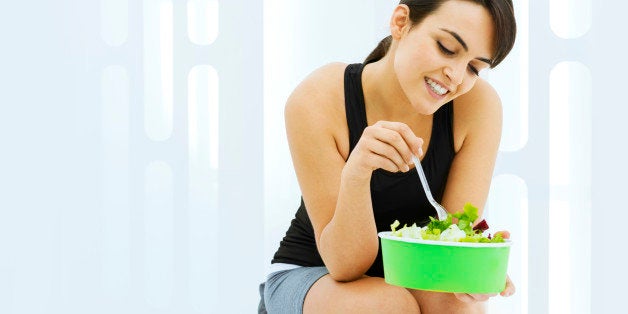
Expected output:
(442, 302)
(366, 295)
(284, 291)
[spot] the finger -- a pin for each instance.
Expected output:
(482, 297)
(398, 150)
(384, 156)
(474, 297)
(510, 288)
(411, 140)
(505, 234)
(464, 297)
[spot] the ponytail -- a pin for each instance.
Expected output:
(379, 51)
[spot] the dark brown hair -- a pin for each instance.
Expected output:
(501, 11)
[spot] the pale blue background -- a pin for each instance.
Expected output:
(84, 232)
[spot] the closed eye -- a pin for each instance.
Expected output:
(474, 70)
(448, 52)
(444, 50)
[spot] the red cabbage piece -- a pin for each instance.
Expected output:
(481, 226)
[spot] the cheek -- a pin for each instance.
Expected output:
(406, 71)
(409, 67)
(410, 57)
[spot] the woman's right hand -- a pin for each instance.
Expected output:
(386, 145)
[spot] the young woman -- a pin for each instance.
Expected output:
(352, 131)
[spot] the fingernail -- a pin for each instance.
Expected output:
(420, 151)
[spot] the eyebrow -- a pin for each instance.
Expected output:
(464, 45)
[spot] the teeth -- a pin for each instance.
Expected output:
(436, 87)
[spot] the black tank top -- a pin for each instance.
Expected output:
(395, 196)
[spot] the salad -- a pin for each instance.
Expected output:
(447, 230)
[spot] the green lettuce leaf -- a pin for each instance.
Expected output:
(435, 227)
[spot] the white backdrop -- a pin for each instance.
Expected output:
(144, 166)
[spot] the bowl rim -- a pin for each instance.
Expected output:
(387, 235)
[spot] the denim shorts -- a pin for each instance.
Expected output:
(284, 291)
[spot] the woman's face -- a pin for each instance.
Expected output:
(439, 59)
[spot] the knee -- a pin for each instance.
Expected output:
(393, 299)
(406, 302)
(439, 302)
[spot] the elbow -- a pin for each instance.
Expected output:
(344, 271)
(345, 276)
(347, 259)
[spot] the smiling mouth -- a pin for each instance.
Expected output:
(436, 88)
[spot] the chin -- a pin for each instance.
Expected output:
(427, 108)
(421, 108)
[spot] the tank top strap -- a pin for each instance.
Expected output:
(354, 103)
(442, 138)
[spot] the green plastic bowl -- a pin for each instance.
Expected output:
(445, 266)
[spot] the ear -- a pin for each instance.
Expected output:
(399, 21)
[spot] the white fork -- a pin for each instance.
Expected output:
(440, 210)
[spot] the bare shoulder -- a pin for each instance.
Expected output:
(480, 100)
(478, 112)
(323, 85)
(317, 105)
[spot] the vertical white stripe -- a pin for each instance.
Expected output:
(513, 88)
(570, 188)
(523, 20)
(559, 125)
(570, 18)
(203, 21)
(507, 209)
(280, 64)
(115, 186)
(203, 187)
(579, 189)
(203, 116)
(193, 117)
(559, 258)
(158, 69)
(114, 21)
(159, 234)
(525, 228)
(559, 241)
(214, 117)
(166, 25)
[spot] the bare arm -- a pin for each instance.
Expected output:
(477, 127)
(477, 133)
(337, 193)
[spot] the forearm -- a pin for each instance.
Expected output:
(349, 243)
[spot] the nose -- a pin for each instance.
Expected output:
(455, 73)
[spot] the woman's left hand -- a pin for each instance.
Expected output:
(475, 297)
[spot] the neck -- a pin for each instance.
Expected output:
(383, 96)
